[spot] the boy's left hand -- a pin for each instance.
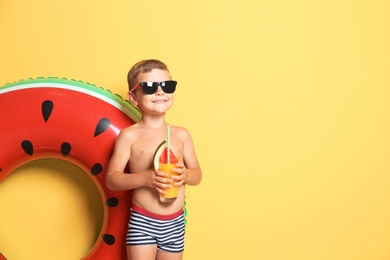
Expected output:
(182, 171)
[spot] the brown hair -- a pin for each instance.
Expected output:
(142, 67)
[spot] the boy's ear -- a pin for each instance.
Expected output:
(132, 98)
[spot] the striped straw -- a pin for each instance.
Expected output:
(169, 143)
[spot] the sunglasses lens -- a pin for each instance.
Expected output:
(149, 87)
(169, 86)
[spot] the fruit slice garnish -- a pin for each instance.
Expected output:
(157, 154)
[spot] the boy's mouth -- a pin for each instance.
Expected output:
(159, 101)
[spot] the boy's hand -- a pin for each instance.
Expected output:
(182, 171)
(160, 181)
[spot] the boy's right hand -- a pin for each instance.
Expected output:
(160, 181)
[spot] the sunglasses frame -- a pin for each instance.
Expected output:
(151, 87)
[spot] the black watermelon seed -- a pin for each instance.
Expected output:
(108, 239)
(47, 108)
(112, 202)
(102, 126)
(65, 149)
(28, 147)
(96, 169)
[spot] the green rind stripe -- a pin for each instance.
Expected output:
(85, 87)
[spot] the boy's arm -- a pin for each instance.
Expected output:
(116, 179)
(193, 172)
(193, 176)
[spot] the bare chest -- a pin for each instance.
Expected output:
(143, 149)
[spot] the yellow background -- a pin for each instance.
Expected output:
(288, 103)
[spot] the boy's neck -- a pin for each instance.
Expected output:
(153, 122)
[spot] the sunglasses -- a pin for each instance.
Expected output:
(168, 86)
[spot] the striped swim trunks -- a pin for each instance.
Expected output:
(146, 228)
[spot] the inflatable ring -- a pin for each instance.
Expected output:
(72, 121)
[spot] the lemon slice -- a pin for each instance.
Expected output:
(157, 154)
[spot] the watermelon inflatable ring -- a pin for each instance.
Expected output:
(72, 121)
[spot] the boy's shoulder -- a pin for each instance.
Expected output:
(129, 130)
(181, 131)
(177, 128)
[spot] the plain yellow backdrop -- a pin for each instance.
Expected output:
(288, 103)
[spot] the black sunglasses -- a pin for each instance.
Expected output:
(168, 86)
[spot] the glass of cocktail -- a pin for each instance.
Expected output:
(170, 193)
(165, 161)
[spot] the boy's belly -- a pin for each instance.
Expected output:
(148, 199)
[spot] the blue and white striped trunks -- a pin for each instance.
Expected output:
(146, 228)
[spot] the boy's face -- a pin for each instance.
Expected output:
(156, 103)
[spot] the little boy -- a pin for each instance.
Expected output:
(156, 229)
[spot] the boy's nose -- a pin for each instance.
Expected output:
(159, 91)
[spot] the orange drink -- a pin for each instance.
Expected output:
(171, 193)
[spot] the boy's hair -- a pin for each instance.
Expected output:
(142, 67)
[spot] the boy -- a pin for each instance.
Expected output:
(156, 229)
